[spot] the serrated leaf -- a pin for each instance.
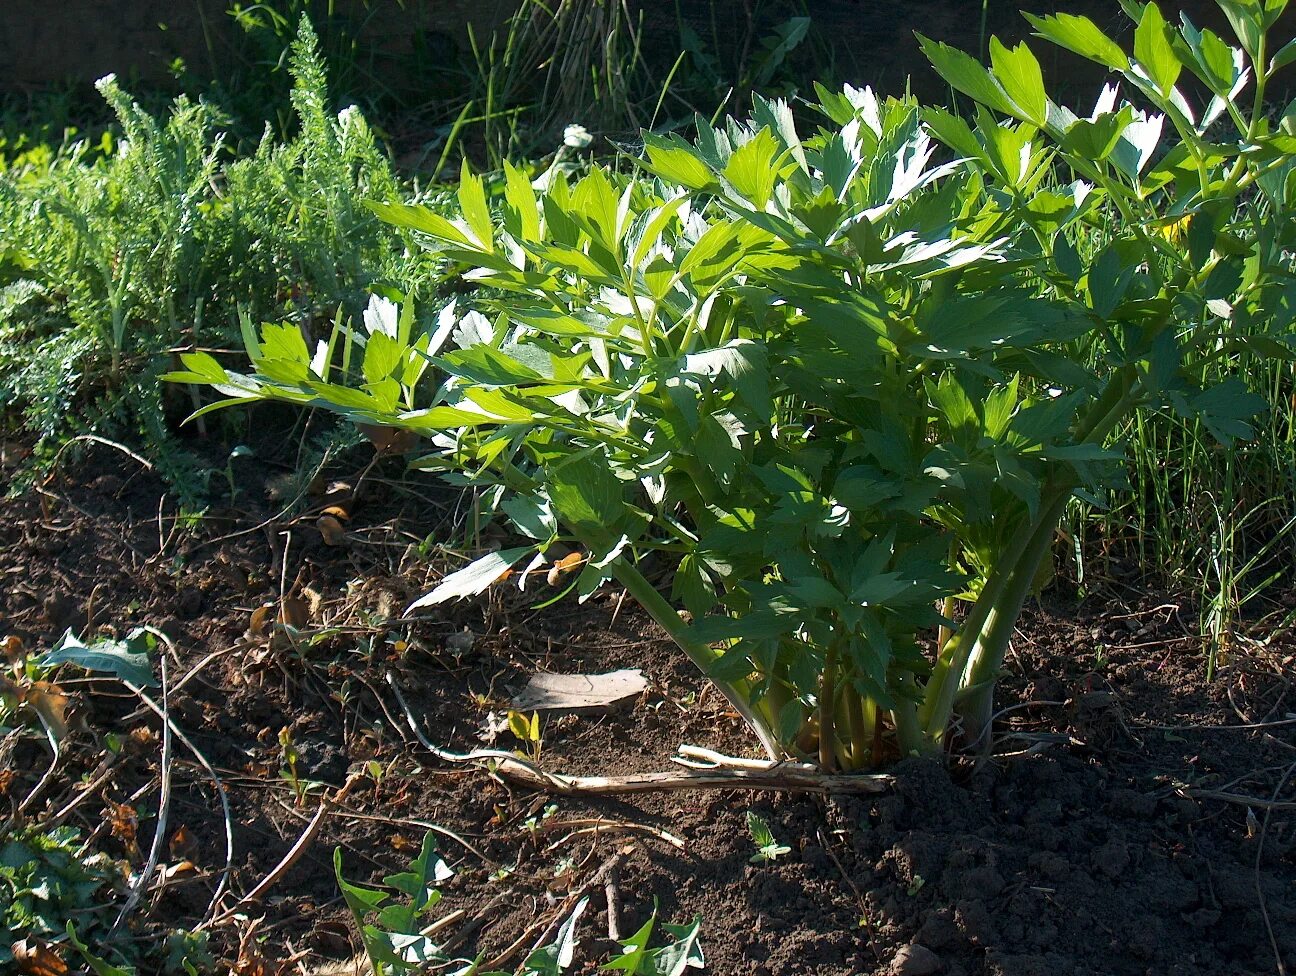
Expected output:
(1082, 36)
(475, 209)
(1154, 49)
(423, 220)
(1018, 72)
(677, 163)
(965, 74)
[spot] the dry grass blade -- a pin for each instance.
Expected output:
(164, 800)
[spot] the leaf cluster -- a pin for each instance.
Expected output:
(820, 386)
(395, 944)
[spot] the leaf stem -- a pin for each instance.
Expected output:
(702, 656)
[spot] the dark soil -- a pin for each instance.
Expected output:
(1097, 842)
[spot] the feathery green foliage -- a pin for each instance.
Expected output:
(114, 254)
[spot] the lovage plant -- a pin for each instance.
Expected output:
(831, 392)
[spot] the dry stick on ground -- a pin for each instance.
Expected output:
(1264, 908)
(294, 853)
(169, 725)
(564, 911)
(101, 776)
(55, 767)
(735, 774)
(164, 803)
(1241, 800)
(612, 894)
(101, 440)
(865, 920)
(597, 825)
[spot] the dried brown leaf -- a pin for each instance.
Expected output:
(37, 958)
(331, 530)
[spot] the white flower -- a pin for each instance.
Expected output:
(381, 316)
(576, 136)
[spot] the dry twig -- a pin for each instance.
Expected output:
(736, 774)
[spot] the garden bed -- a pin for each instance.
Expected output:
(1115, 839)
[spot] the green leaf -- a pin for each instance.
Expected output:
(776, 115)
(476, 211)
(383, 356)
(587, 496)
(98, 966)
(1246, 19)
(532, 515)
(422, 220)
(1226, 409)
(474, 578)
(752, 168)
(521, 212)
(684, 953)
(360, 900)
(1081, 35)
(127, 660)
(1018, 72)
(1153, 46)
(634, 951)
(1285, 56)
(965, 74)
(488, 366)
(674, 161)
(595, 206)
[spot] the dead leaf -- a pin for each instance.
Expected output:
(51, 705)
(576, 691)
(389, 440)
(563, 566)
(124, 823)
(259, 624)
(182, 844)
(294, 613)
(331, 530)
(37, 958)
(179, 870)
(400, 842)
(6, 780)
(339, 500)
(13, 649)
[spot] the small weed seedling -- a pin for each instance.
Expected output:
(527, 731)
(767, 848)
(399, 941)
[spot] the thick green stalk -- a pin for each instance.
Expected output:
(941, 686)
(860, 730)
(975, 701)
(827, 708)
(700, 654)
(989, 643)
(912, 739)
